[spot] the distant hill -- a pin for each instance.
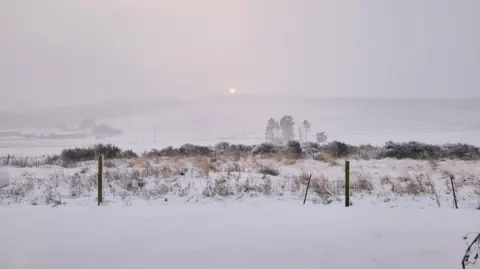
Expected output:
(75, 113)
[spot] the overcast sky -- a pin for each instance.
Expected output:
(77, 51)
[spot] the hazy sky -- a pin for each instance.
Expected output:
(77, 51)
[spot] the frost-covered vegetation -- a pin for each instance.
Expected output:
(293, 150)
(194, 173)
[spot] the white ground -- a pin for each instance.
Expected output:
(170, 222)
(272, 235)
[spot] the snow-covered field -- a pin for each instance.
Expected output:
(268, 235)
(198, 179)
(239, 213)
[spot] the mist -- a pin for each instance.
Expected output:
(58, 53)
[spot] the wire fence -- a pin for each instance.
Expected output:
(24, 161)
(37, 161)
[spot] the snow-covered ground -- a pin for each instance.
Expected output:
(238, 235)
(238, 213)
(198, 179)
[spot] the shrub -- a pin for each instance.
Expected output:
(323, 188)
(220, 187)
(222, 146)
(294, 147)
(129, 154)
(86, 154)
(339, 149)
(265, 149)
(268, 171)
(311, 148)
(461, 151)
(168, 151)
(367, 152)
(411, 150)
(185, 150)
(241, 148)
(421, 151)
(52, 159)
(194, 150)
(232, 150)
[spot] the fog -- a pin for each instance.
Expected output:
(84, 52)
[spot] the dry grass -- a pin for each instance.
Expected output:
(476, 186)
(415, 185)
(267, 170)
(419, 179)
(465, 181)
(196, 177)
(233, 168)
(449, 178)
(286, 157)
(289, 161)
(219, 187)
(322, 187)
(362, 182)
(329, 159)
(412, 188)
(141, 163)
(384, 180)
(205, 166)
(303, 178)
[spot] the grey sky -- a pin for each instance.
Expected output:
(79, 51)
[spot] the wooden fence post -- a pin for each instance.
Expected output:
(455, 203)
(347, 183)
(100, 180)
(308, 187)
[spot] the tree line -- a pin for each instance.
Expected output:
(283, 131)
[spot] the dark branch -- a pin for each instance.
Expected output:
(472, 252)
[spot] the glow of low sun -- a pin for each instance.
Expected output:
(232, 91)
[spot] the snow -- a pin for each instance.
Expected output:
(180, 218)
(233, 235)
(393, 183)
(4, 179)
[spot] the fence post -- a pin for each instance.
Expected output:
(347, 183)
(455, 203)
(308, 187)
(8, 159)
(100, 180)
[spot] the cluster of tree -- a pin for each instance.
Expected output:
(283, 131)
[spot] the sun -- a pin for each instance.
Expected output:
(232, 91)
